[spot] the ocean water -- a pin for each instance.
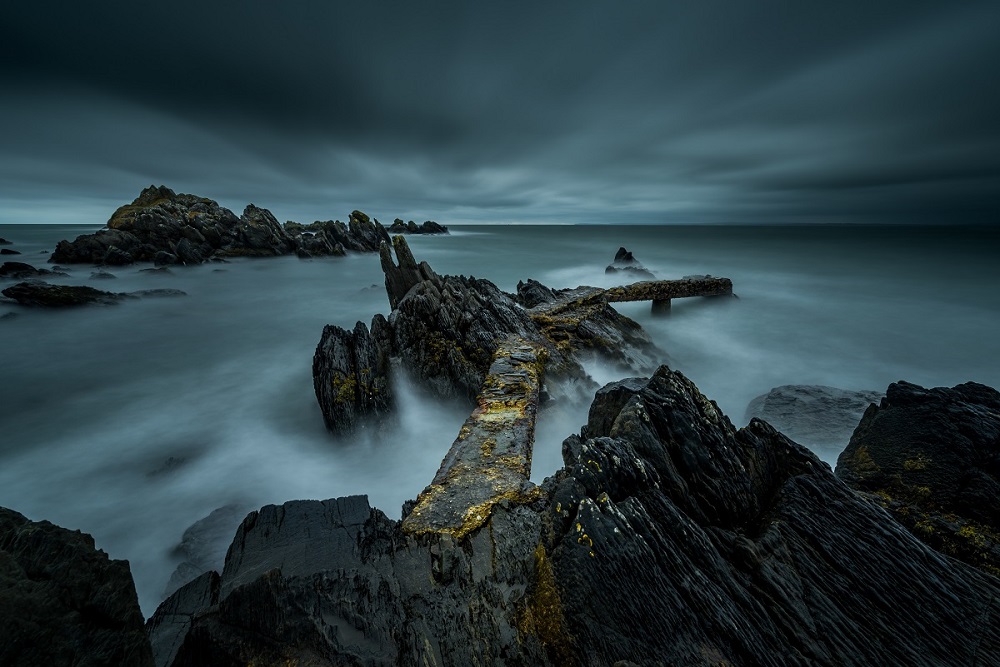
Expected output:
(131, 422)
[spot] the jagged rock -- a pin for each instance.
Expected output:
(932, 458)
(533, 293)
(8, 251)
(428, 227)
(164, 227)
(625, 262)
(669, 536)
(677, 536)
(351, 374)
(813, 415)
(20, 271)
(59, 296)
(63, 602)
(204, 545)
(402, 277)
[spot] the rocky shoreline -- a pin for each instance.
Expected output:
(668, 536)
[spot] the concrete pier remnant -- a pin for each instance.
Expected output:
(490, 460)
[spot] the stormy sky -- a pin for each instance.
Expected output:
(610, 112)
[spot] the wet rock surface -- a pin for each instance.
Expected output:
(931, 457)
(813, 415)
(164, 227)
(63, 602)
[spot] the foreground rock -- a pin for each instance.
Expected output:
(63, 602)
(932, 458)
(817, 416)
(669, 537)
(164, 227)
(428, 227)
(44, 295)
(626, 263)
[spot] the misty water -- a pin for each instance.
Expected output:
(131, 422)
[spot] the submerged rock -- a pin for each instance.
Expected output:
(59, 296)
(814, 415)
(20, 271)
(8, 251)
(932, 458)
(4, 241)
(63, 602)
(668, 535)
(102, 275)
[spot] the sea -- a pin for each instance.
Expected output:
(131, 422)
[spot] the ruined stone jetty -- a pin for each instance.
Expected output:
(490, 460)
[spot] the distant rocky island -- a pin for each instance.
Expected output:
(668, 536)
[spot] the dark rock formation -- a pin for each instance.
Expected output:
(814, 415)
(44, 295)
(932, 458)
(204, 544)
(402, 277)
(4, 241)
(351, 374)
(102, 275)
(533, 293)
(20, 271)
(428, 227)
(164, 227)
(59, 296)
(8, 251)
(63, 602)
(626, 263)
(670, 537)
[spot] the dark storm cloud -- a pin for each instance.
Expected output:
(591, 112)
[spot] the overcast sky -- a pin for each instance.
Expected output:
(613, 112)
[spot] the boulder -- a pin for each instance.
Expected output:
(932, 458)
(626, 263)
(4, 241)
(63, 601)
(8, 251)
(813, 415)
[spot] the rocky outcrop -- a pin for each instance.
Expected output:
(21, 271)
(44, 295)
(428, 227)
(164, 227)
(814, 415)
(351, 375)
(63, 602)
(626, 263)
(669, 537)
(932, 458)
(445, 330)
